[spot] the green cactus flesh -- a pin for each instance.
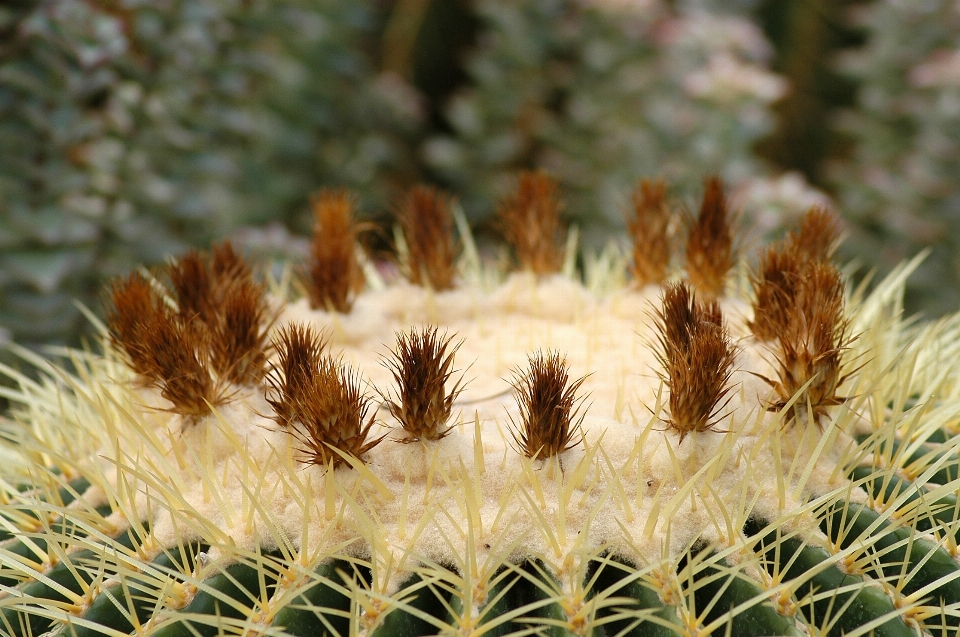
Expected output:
(121, 516)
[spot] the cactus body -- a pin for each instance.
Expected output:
(614, 486)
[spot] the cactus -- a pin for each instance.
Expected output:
(732, 452)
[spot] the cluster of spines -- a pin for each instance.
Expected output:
(217, 321)
(215, 332)
(550, 410)
(184, 349)
(529, 219)
(421, 367)
(426, 219)
(334, 275)
(697, 359)
(798, 311)
(318, 399)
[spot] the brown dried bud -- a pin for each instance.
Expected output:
(426, 218)
(649, 229)
(697, 359)
(811, 344)
(530, 221)
(334, 416)
(193, 286)
(132, 311)
(550, 413)
(774, 285)
(238, 337)
(168, 352)
(334, 272)
(818, 235)
(299, 350)
(179, 353)
(710, 253)
(421, 367)
(218, 294)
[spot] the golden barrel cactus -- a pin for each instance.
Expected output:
(701, 448)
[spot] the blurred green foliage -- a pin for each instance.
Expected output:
(132, 130)
(900, 185)
(601, 95)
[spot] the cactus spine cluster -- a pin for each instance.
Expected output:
(699, 450)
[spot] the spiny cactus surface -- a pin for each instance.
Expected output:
(526, 453)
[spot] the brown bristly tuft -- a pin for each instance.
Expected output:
(178, 350)
(227, 265)
(334, 272)
(710, 250)
(678, 313)
(782, 266)
(697, 359)
(426, 218)
(219, 325)
(133, 308)
(774, 286)
(168, 352)
(193, 286)
(550, 411)
(334, 416)
(238, 338)
(818, 235)
(649, 228)
(421, 367)
(530, 221)
(318, 400)
(798, 307)
(201, 281)
(299, 350)
(219, 294)
(811, 344)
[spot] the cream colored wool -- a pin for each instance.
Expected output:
(470, 502)
(237, 480)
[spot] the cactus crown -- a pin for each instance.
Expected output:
(744, 466)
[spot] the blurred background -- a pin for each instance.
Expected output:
(134, 129)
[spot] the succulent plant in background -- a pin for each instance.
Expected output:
(688, 454)
(898, 186)
(599, 92)
(132, 131)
